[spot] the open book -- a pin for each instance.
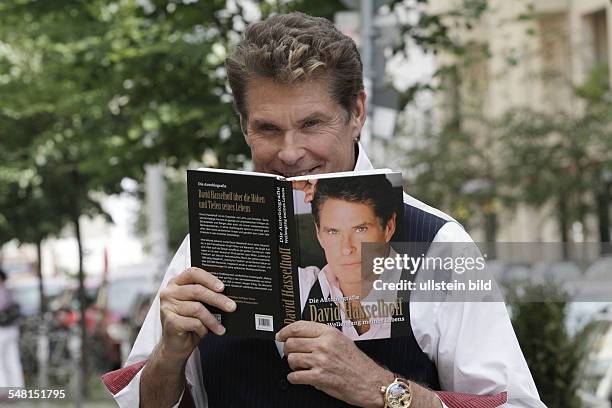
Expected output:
(300, 248)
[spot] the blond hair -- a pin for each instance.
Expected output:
(295, 47)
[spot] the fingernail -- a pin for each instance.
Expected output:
(231, 305)
(219, 286)
(221, 331)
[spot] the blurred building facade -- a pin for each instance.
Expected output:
(538, 51)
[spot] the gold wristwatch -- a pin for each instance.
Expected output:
(397, 394)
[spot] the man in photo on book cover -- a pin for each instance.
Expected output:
(298, 88)
(348, 212)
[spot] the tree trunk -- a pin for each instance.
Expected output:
(563, 225)
(42, 351)
(41, 286)
(603, 215)
(491, 232)
(82, 306)
(454, 83)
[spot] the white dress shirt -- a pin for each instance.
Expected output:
(472, 344)
(330, 288)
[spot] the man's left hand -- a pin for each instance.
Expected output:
(321, 356)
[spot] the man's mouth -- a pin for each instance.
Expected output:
(352, 263)
(313, 170)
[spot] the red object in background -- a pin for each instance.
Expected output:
(70, 318)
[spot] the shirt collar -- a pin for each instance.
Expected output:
(363, 162)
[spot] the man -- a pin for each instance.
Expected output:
(348, 212)
(297, 86)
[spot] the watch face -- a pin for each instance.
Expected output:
(398, 395)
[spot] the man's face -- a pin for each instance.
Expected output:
(298, 129)
(343, 226)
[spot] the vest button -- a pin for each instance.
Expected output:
(283, 384)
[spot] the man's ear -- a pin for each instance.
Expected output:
(390, 227)
(358, 112)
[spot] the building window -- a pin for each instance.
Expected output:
(596, 44)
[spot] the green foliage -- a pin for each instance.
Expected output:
(433, 31)
(561, 158)
(596, 88)
(526, 156)
(127, 84)
(92, 91)
(553, 356)
(436, 33)
(319, 8)
(457, 169)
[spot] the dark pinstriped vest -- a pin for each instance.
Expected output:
(246, 372)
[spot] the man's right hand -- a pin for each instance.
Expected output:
(185, 320)
(184, 314)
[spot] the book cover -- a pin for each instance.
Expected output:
(300, 248)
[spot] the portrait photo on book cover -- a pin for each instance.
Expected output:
(336, 217)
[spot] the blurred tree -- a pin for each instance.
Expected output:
(452, 164)
(564, 159)
(457, 169)
(92, 91)
(319, 8)
(32, 217)
(597, 118)
(31, 208)
(555, 358)
(470, 165)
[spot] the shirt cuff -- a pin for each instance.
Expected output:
(460, 400)
(124, 385)
(441, 402)
(116, 381)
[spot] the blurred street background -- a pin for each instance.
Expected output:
(497, 112)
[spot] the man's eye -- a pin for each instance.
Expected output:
(332, 232)
(361, 229)
(311, 123)
(267, 128)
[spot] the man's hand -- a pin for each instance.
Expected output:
(308, 187)
(320, 355)
(184, 316)
(185, 321)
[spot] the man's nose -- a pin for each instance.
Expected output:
(348, 246)
(291, 151)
